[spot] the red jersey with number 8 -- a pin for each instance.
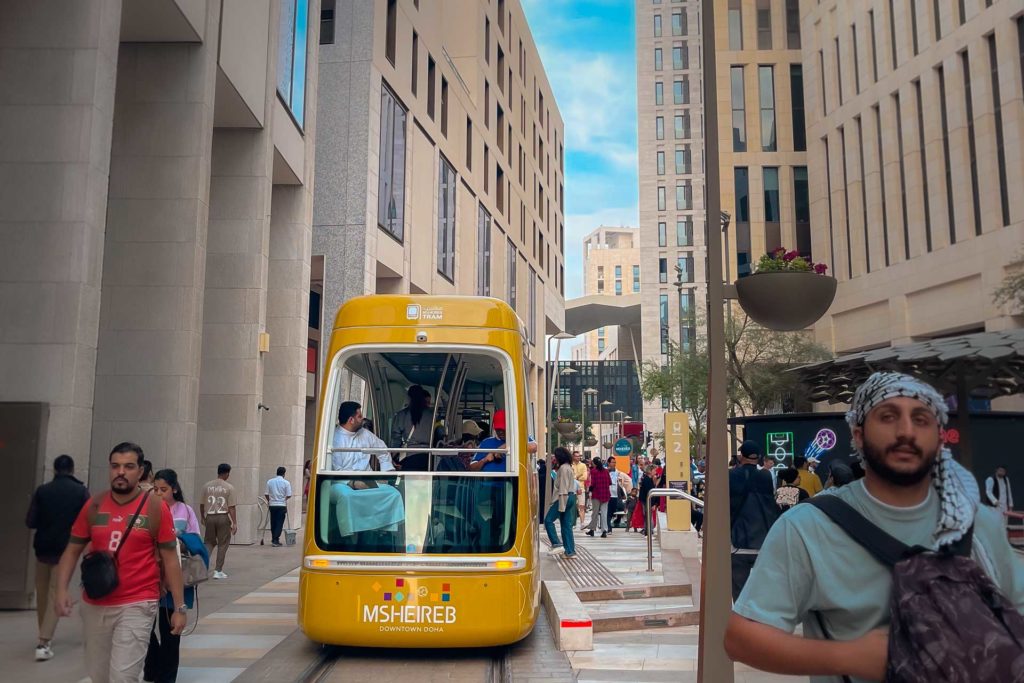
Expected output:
(104, 525)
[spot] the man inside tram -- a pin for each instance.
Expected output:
(493, 461)
(414, 426)
(350, 434)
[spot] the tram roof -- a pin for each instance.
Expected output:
(389, 310)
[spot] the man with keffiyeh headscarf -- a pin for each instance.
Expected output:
(811, 572)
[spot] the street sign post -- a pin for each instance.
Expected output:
(677, 467)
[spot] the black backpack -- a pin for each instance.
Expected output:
(755, 515)
(949, 622)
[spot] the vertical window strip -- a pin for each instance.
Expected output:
(962, 10)
(821, 71)
(997, 109)
(839, 72)
(874, 48)
(828, 199)
(951, 216)
(913, 25)
(856, 60)
(846, 205)
(903, 176)
(924, 167)
(972, 144)
(766, 78)
(892, 34)
(796, 90)
(937, 17)
(881, 178)
(863, 193)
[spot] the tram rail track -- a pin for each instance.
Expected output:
(334, 664)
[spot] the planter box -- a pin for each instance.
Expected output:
(786, 301)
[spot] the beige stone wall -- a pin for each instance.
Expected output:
(605, 248)
(908, 268)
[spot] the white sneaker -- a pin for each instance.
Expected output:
(43, 653)
(556, 550)
(219, 575)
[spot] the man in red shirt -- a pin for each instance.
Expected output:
(117, 626)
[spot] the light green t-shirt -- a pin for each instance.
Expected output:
(808, 564)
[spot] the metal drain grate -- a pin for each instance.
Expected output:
(585, 570)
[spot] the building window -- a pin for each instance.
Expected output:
(892, 33)
(659, 93)
(1020, 44)
(796, 87)
(600, 345)
(531, 323)
(924, 166)
(821, 71)
(600, 279)
(391, 181)
(636, 279)
(743, 249)
(938, 20)
(662, 270)
(469, 144)
(678, 24)
(681, 92)
(903, 175)
(839, 72)
(997, 109)
(327, 22)
(446, 221)
(661, 163)
(483, 252)
(856, 58)
(391, 30)
(735, 25)
(683, 160)
(864, 194)
(661, 199)
(944, 118)
(487, 104)
(510, 273)
(657, 26)
(684, 232)
(291, 58)
(501, 70)
(618, 272)
(657, 59)
(684, 269)
(499, 189)
(431, 85)
(662, 235)
(618, 288)
(772, 210)
(444, 106)
(766, 77)
(739, 124)
(764, 24)
(684, 197)
(793, 24)
(802, 211)
(874, 46)
(659, 127)
(972, 144)
(881, 179)
(682, 126)
(828, 201)
(415, 62)
(679, 58)
(663, 316)
(846, 202)
(913, 24)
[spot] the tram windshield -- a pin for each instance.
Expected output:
(405, 480)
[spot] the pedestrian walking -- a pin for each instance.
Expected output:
(641, 513)
(788, 493)
(279, 490)
(163, 655)
(868, 612)
(125, 529)
(615, 491)
(580, 472)
(217, 508)
(807, 480)
(52, 511)
(752, 512)
(998, 492)
(146, 481)
(600, 486)
(563, 505)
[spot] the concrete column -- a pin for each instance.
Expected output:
(284, 384)
(154, 262)
(57, 77)
(234, 315)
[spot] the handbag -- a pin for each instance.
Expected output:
(193, 569)
(99, 568)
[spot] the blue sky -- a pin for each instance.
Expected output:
(588, 50)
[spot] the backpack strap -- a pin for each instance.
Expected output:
(881, 545)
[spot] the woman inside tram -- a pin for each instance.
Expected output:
(414, 426)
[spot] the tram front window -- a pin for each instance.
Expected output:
(391, 513)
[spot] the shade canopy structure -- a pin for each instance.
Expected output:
(588, 313)
(984, 365)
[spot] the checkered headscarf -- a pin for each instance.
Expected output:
(957, 488)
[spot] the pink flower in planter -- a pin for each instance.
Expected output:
(779, 252)
(820, 268)
(789, 256)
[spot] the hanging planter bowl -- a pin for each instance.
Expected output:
(786, 301)
(565, 428)
(590, 442)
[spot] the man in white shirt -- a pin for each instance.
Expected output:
(350, 434)
(279, 490)
(998, 493)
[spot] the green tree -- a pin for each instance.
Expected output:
(1011, 291)
(757, 360)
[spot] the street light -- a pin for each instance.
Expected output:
(589, 391)
(600, 429)
(618, 419)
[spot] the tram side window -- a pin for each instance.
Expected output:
(393, 497)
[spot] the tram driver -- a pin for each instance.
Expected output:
(350, 434)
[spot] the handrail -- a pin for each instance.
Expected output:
(662, 493)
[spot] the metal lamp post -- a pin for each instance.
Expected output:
(589, 391)
(558, 377)
(600, 427)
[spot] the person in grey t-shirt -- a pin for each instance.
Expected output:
(810, 567)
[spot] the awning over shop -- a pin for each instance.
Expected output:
(984, 365)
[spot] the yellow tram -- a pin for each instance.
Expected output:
(442, 550)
